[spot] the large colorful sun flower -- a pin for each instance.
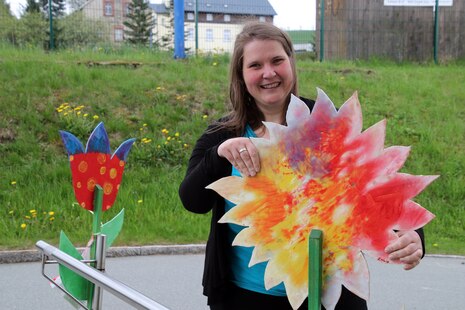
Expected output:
(96, 165)
(322, 172)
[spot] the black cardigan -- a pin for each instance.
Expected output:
(205, 167)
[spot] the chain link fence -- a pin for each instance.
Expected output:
(345, 29)
(395, 29)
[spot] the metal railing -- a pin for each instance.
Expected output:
(52, 255)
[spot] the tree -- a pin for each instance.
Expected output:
(140, 22)
(32, 6)
(7, 23)
(58, 8)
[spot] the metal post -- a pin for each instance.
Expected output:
(315, 269)
(179, 29)
(100, 256)
(119, 289)
(196, 26)
(50, 18)
(322, 29)
(436, 32)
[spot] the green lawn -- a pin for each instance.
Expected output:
(166, 104)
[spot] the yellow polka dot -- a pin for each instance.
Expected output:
(83, 204)
(113, 173)
(71, 157)
(103, 170)
(107, 188)
(78, 185)
(117, 187)
(101, 158)
(83, 166)
(91, 184)
(121, 163)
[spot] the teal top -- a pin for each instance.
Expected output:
(249, 278)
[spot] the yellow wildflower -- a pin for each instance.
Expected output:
(23, 226)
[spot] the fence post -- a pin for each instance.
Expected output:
(196, 27)
(315, 269)
(179, 29)
(436, 31)
(322, 29)
(50, 18)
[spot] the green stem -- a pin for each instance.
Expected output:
(315, 269)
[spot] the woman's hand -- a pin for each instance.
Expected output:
(242, 154)
(407, 249)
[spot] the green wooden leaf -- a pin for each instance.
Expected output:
(74, 283)
(112, 228)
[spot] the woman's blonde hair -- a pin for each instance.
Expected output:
(244, 109)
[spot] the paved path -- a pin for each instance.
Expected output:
(174, 281)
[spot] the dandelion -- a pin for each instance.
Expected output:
(176, 134)
(51, 213)
(27, 217)
(158, 146)
(95, 117)
(185, 145)
(435, 244)
(13, 182)
(169, 138)
(86, 114)
(144, 125)
(165, 131)
(32, 211)
(140, 201)
(23, 226)
(205, 116)
(52, 219)
(215, 64)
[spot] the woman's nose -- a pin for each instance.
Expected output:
(268, 72)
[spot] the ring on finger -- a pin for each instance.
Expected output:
(242, 150)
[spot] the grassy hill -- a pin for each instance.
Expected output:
(166, 104)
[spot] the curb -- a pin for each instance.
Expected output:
(27, 256)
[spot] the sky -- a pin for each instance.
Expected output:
(291, 14)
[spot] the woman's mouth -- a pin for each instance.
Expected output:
(270, 85)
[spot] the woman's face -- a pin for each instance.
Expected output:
(267, 74)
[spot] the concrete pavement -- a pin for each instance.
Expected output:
(175, 281)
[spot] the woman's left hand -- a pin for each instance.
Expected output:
(407, 249)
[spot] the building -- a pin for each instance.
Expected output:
(218, 21)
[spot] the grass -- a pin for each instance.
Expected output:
(166, 104)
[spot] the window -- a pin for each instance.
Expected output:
(209, 35)
(262, 19)
(227, 17)
(227, 35)
(190, 34)
(119, 35)
(190, 16)
(108, 8)
(209, 17)
(126, 9)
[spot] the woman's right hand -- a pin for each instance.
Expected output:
(242, 154)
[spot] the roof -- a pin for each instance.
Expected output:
(159, 8)
(244, 7)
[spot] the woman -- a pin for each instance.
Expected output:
(262, 78)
